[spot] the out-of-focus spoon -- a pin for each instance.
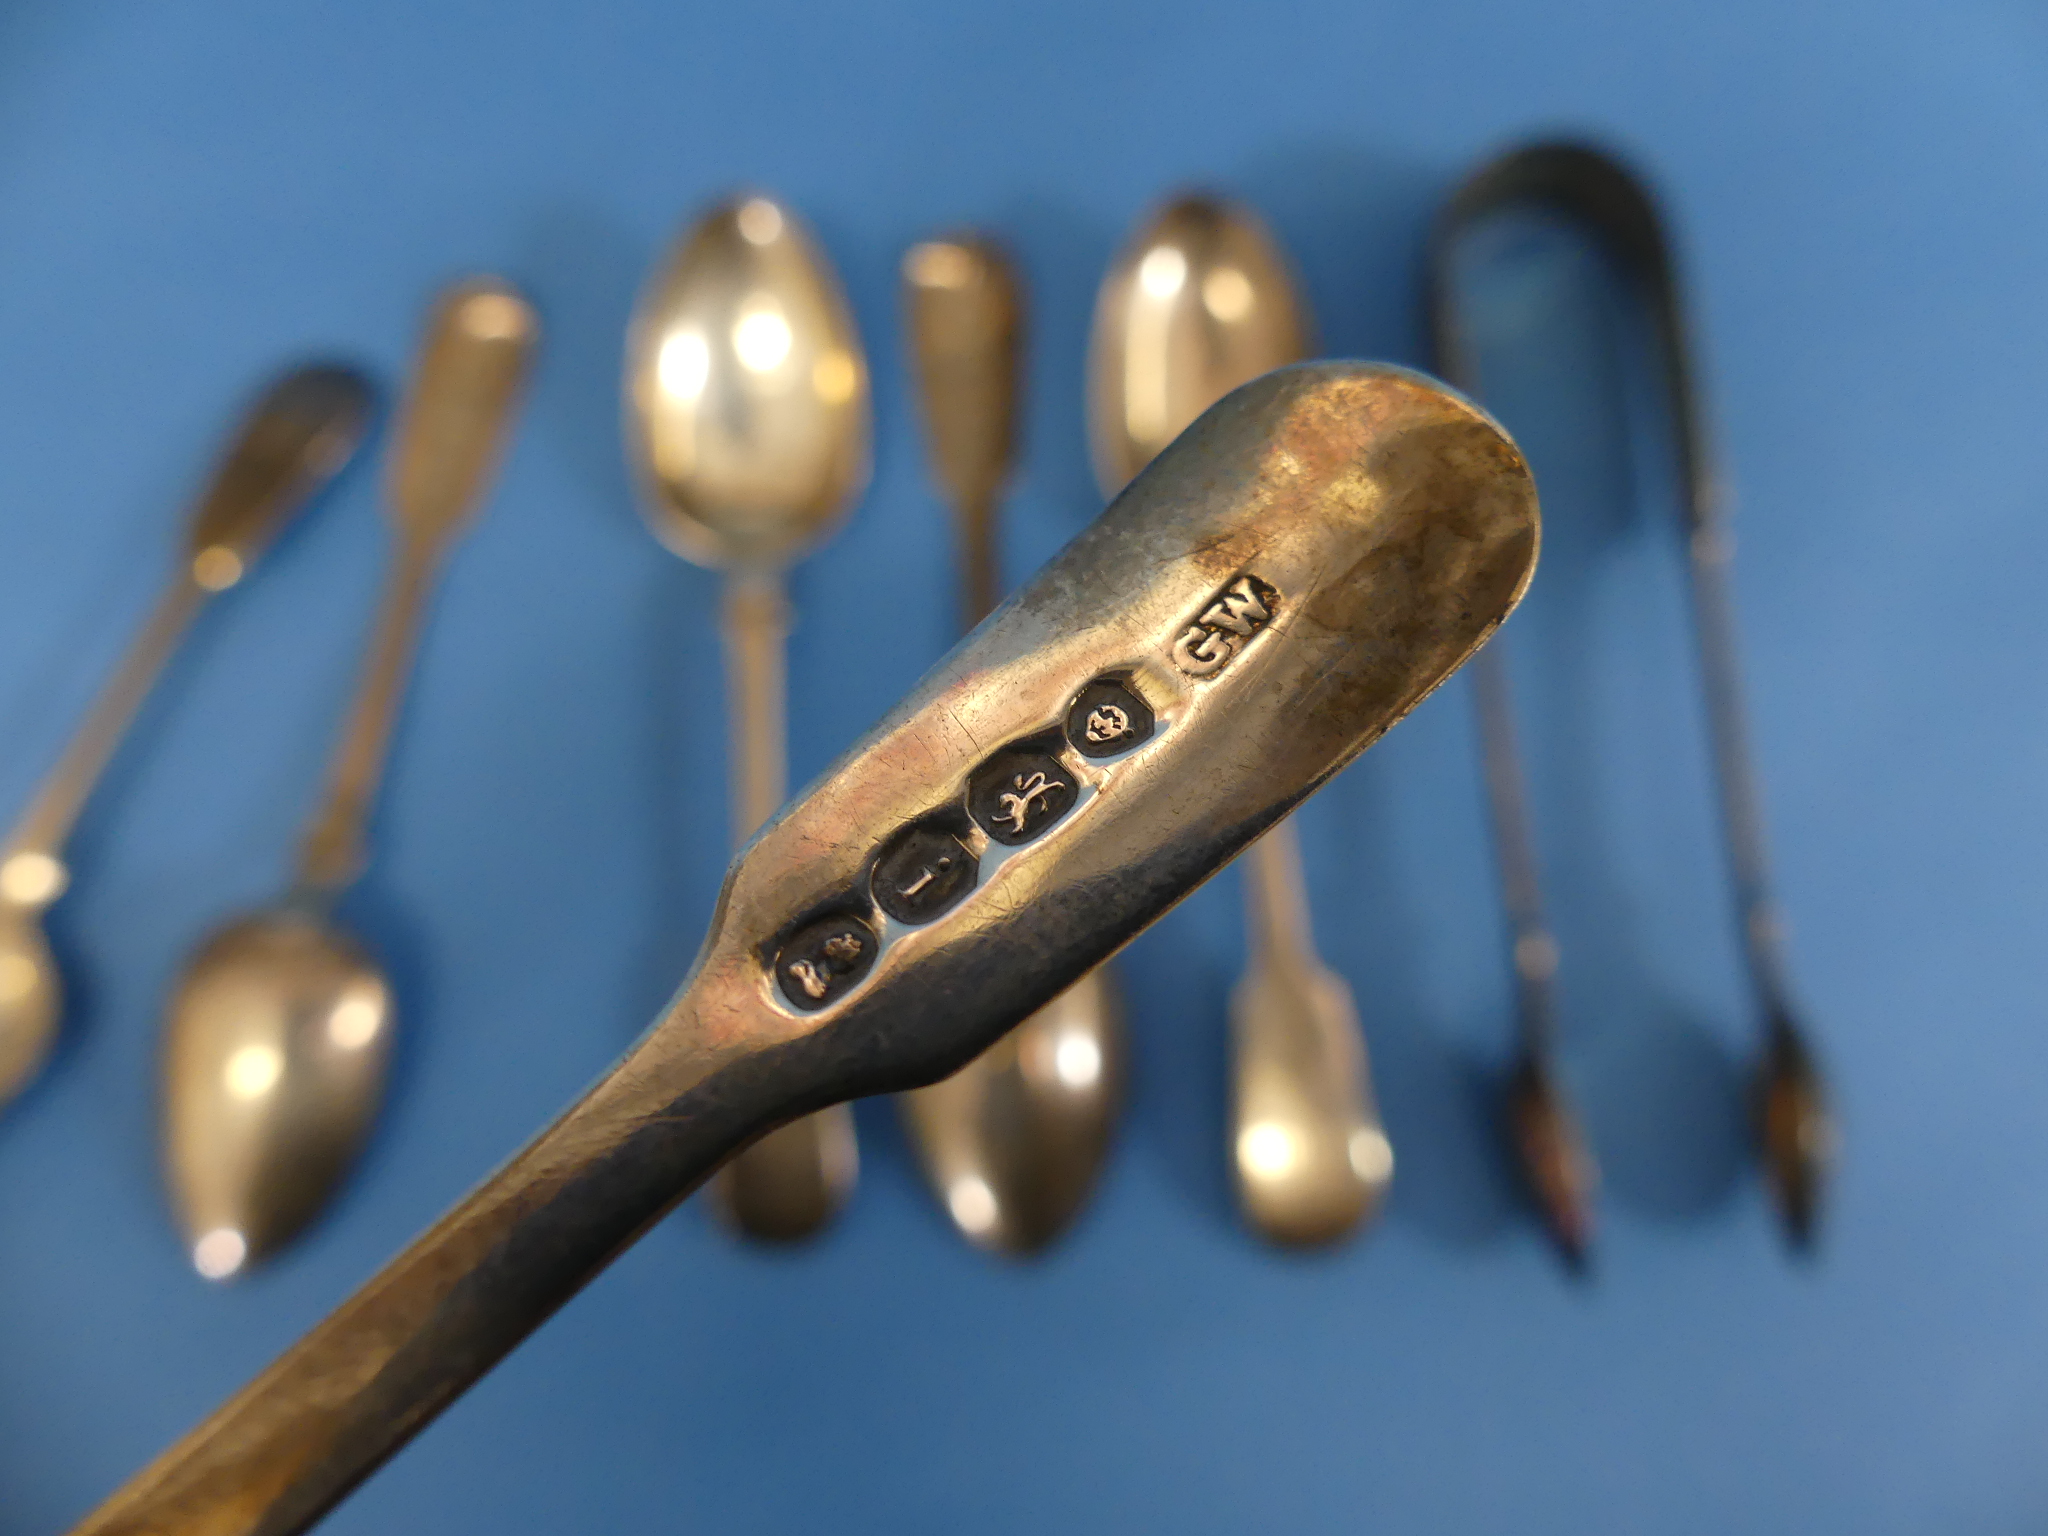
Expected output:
(279, 1032)
(1200, 301)
(1013, 1142)
(296, 437)
(747, 418)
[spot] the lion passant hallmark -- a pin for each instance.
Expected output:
(1243, 607)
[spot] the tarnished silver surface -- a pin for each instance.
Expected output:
(278, 1034)
(296, 437)
(1393, 526)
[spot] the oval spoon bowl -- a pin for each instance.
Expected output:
(1313, 1162)
(1014, 1143)
(274, 1063)
(29, 998)
(747, 392)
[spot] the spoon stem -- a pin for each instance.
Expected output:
(979, 582)
(46, 824)
(335, 846)
(789, 1183)
(1276, 898)
(756, 639)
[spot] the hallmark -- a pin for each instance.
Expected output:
(1230, 618)
(1108, 717)
(1018, 794)
(824, 960)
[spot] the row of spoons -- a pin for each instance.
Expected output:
(748, 422)
(747, 418)
(278, 1033)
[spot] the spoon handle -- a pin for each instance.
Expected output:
(980, 584)
(333, 851)
(1311, 1155)
(1276, 899)
(756, 620)
(965, 304)
(789, 1183)
(50, 815)
(466, 383)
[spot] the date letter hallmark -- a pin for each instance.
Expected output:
(1230, 618)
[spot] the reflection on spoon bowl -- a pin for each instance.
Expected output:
(1312, 1159)
(274, 1064)
(28, 997)
(1015, 1143)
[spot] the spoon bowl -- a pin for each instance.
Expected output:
(30, 997)
(274, 1062)
(747, 393)
(1200, 301)
(277, 1036)
(1014, 1142)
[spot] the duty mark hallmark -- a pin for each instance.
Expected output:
(1240, 610)
(1108, 717)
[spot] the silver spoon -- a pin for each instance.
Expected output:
(296, 437)
(1014, 1141)
(1396, 527)
(278, 1034)
(747, 419)
(1200, 301)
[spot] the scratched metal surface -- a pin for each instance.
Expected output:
(1863, 200)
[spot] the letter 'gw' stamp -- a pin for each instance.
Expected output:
(1244, 607)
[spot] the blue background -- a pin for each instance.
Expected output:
(193, 194)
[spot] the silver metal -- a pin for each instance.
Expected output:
(277, 1036)
(1542, 1123)
(747, 422)
(1394, 526)
(1013, 1143)
(296, 437)
(1795, 1127)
